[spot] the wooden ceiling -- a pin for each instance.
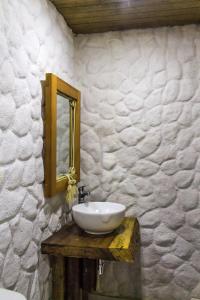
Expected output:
(89, 16)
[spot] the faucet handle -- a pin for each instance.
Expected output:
(81, 188)
(82, 194)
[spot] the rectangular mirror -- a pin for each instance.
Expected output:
(62, 134)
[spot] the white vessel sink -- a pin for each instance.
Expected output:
(98, 217)
(10, 295)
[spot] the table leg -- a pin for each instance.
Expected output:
(58, 277)
(84, 295)
(73, 276)
(89, 274)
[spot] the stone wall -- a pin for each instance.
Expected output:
(141, 145)
(34, 40)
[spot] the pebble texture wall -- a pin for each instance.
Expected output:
(141, 146)
(34, 39)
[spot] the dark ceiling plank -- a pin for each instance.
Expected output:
(131, 15)
(111, 9)
(88, 16)
(92, 5)
(82, 3)
(75, 2)
(145, 22)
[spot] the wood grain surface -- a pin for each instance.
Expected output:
(90, 16)
(71, 241)
(52, 86)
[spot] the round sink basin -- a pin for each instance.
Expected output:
(10, 295)
(98, 217)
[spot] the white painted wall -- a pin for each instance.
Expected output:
(34, 40)
(141, 145)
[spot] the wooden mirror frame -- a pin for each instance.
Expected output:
(52, 86)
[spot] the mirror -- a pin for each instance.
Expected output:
(62, 134)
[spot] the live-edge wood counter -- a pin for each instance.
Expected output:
(71, 241)
(71, 248)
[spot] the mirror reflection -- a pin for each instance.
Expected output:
(63, 135)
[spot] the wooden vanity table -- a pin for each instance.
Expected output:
(74, 256)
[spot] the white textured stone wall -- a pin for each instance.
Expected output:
(34, 40)
(141, 145)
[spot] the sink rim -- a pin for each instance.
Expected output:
(8, 294)
(121, 208)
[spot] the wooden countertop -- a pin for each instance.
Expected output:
(71, 241)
